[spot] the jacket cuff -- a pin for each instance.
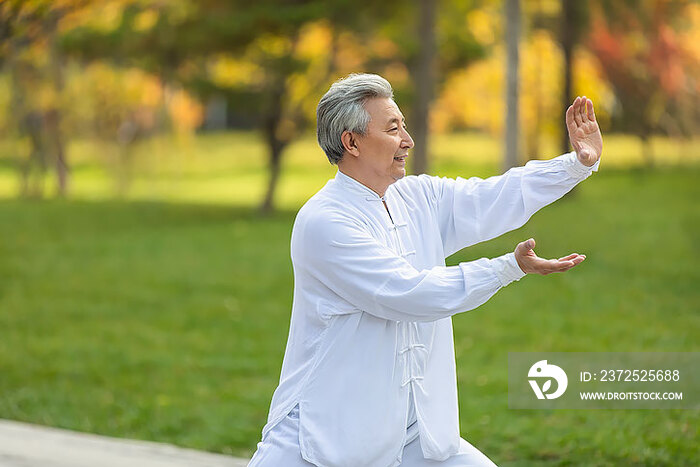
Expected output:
(507, 269)
(575, 168)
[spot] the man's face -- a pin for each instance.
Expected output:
(383, 150)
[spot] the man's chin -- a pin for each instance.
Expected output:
(399, 175)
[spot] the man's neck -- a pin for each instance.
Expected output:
(379, 189)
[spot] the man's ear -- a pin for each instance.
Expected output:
(350, 143)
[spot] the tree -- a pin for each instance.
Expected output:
(653, 76)
(29, 50)
(512, 13)
(573, 22)
(442, 43)
(424, 83)
(189, 38)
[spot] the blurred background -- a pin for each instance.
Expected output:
(153, 155)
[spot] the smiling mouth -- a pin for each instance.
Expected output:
(400, 158)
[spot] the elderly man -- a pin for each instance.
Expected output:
(368, 377)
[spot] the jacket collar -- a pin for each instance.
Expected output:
(350, 184)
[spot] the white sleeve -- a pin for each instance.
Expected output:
(362, 271)
(475, 210)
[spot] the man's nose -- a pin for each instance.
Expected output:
(407, 140)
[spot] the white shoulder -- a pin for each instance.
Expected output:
(320, 217)
(425, 186)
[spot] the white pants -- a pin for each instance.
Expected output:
(280, 447)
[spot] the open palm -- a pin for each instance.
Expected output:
(530, 263)
(584, 132)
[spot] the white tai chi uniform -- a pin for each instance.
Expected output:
(370, 344)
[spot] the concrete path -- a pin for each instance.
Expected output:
(25, 445)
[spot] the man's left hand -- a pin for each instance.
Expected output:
(584, 132)
(530, 263)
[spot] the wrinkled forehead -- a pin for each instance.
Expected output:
(383, 111)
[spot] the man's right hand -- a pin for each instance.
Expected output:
(530, 263)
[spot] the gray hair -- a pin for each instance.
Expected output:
(342, 109)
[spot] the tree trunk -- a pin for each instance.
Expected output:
(274, 166)
(512, 13)
(568, 39)
(647, 150)
(274, 143)
(53, 116)
(30, 123)
(52, 125)
(276, 138)
(533, 128)
(424, 82)
(33, 170)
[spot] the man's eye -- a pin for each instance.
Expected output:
(393, 129)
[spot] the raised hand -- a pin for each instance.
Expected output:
(584, 132)
(530, 263)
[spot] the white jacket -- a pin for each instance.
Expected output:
(373, 300)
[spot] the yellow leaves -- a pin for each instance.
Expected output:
(143, 88)
(541, 83)
(228, 71)
(299, 89)
(66, 4)
(351, 55)
(45, 98)
(589, 81)
(548, 8)
(131, 87)
(384, 48)
(395, 70)
(105, 16)
(248, 69)
(185, 112)
(396, 73)
(635, 43)
(314, 40)
(274, 46)
(475, 96)
(145, 20)
(483, 25)
(101, 99)
(108, 97)
(690, 37)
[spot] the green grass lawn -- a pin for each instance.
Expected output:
(167, 320)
